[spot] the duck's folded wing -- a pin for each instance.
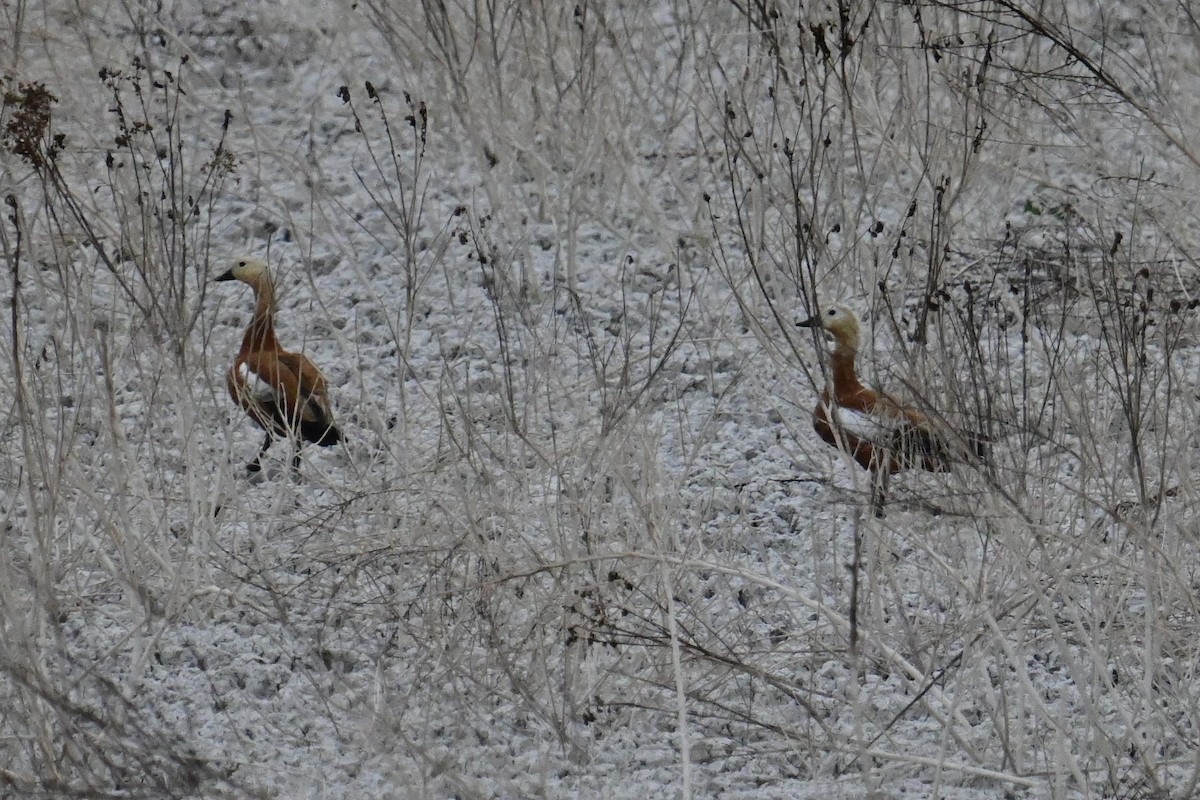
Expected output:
(307, 384)
(284, 395)
(874, 428)
(312, 413)
(271, 383)
(252, 388)
(260, 395)
(910, 441)
(939, 439)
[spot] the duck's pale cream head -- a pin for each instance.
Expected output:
(841, 323)
(246, 270)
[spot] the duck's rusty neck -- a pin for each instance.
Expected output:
(260, 334)
(846, 384)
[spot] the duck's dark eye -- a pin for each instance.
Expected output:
(833, 312)
(241, 263)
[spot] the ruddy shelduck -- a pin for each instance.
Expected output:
(284, 393)
(880, 433)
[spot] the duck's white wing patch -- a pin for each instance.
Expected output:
(871, 427)
(256, 388)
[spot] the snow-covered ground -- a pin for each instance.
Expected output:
(581, 539)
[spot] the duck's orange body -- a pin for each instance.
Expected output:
(283, 392)
(882, 435)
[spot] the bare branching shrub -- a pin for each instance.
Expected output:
(150, 226)
(166, 233)
(106, 281)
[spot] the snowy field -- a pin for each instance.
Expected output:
(581, 539)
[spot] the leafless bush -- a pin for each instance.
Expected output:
(106, 278)
(151, 229)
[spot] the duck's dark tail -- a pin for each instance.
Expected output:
(320, 432)
(917, 446)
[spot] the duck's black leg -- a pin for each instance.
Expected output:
(256, 464)
(879, 490)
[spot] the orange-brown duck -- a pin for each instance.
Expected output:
(880, 433)
(284, 393)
